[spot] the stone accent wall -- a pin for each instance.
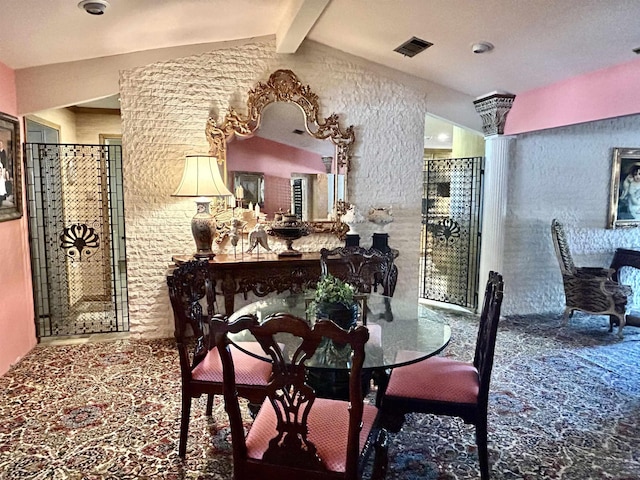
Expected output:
(165, 107)
(562, 173)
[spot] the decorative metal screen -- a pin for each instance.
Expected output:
(451, 234)
(76, 227)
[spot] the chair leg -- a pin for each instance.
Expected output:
(381, 460)
(621, 324)
(483, 451)
(184, 424)
(209, 409)
(381, 380)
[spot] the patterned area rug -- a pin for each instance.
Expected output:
(565, 404)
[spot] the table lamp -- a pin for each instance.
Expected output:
(201, 178)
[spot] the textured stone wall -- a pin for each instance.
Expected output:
(562, 173)
(165, 107)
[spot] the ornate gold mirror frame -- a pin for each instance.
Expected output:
(284, 86)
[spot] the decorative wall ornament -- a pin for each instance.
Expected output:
(78, 241)
(284, 86)
(493, 110)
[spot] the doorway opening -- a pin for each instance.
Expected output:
(77, 239)
(451, 212)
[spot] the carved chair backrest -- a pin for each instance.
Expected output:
(190, 286)
(289, 395)
(561, 246)
(363, 268)
(487, 333)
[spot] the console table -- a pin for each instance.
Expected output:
(261, 275)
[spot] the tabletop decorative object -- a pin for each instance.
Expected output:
(289, 228)
(381, 217)
(336, 300)
(258, 237)
(352, 218)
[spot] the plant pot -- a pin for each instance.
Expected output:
(344, 317)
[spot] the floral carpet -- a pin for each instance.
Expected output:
(564, 404)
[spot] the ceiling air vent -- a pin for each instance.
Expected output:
(413, 47)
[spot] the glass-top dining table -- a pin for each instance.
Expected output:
(401, 331)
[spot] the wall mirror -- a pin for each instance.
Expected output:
(303, 158)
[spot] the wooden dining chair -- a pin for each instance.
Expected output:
(295, 433)
(444, 386)
(190, 286)
(364, 268)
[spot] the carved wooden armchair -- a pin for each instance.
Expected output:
(589, 289)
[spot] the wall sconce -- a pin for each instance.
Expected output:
(201, 178)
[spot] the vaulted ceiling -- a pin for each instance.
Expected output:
(536, 42)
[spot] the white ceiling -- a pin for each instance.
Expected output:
(537, 42)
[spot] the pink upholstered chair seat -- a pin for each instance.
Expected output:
(437, 379)
(328, 426)
(249, 370)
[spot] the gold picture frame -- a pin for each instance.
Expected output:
(10, 169)
(624, 202)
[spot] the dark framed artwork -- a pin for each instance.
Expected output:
(250, 185)
(624, 203)
(10, 169)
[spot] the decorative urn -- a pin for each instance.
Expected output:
(289, 228)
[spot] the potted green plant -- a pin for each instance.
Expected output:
(336, 300)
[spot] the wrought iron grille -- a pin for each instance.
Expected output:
(76, 228)
(451, 208)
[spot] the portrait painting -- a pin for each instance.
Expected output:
(10, 169)
(624, 203)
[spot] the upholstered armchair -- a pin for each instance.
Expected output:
(589, 289)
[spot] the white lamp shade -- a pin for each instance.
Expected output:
(201, 178)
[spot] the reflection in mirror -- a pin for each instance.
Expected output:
(297, 169)
(315, 190)
(248, 188)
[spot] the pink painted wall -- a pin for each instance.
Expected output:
(607, 93)
(277, 161)
(17, 329)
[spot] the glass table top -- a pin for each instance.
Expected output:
(401, 331)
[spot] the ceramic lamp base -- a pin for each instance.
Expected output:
(203, 228)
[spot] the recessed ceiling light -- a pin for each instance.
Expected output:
(94, 7)
(481, 47)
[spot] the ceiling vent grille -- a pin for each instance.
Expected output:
(413, 46)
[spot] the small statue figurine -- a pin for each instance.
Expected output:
(258, 236)
(235, 231)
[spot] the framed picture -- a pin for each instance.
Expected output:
(248, 187)
(10, 169)
(624, 203)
